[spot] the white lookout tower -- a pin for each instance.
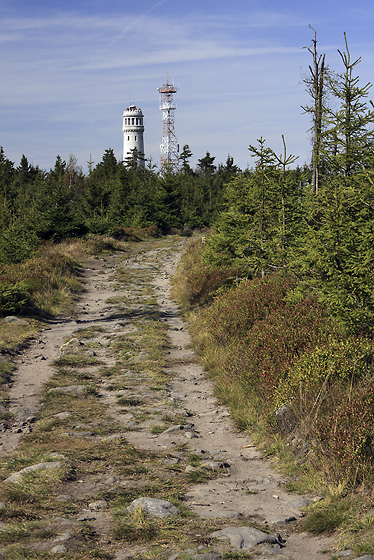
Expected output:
(133, 128)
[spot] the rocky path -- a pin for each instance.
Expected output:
(35, 365)
(244, 500)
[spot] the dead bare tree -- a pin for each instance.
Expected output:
(315, 86)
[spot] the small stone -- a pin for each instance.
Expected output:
(111, 479)
(214, 465)
(62, 538)
(173, 429)
(154, 506)
(63, 415)
(59, 549)
(87, 516)
(56, 455)
(99, 504)
(191, 435)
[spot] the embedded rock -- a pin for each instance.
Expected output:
(16, 477)
(154, 506)
(245, 538)
(12, 320)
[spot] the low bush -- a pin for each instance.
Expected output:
(43, 283)
(233, 314)
(198, 283)
(135, 233)
(344, 431)
(337, 361)
(13, 297)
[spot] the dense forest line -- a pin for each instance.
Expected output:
(63, 203)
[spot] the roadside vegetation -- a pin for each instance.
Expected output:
(297, 379)
(281, 304)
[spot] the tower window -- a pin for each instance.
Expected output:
(135, 137)
(128, 138)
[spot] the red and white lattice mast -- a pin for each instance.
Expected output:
(169, 159)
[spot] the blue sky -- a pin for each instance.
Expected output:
(69, 69)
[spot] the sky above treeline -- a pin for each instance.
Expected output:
(69, 70)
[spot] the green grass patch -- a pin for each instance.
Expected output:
(89, 332)
(77, 360)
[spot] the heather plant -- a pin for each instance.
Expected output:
(260, 332)
(47, 280)
(345, 433)
(336, 361)
(200, 282)
(261, 357)
(202, 286)
(233, 314)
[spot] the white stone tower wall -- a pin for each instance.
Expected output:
(133, 129)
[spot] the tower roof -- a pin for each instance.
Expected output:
(133, 110)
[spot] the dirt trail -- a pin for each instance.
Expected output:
(249, 490)
(35, 365)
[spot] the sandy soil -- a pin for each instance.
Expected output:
(248, 488)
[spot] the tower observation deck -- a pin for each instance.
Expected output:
(169, 159)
